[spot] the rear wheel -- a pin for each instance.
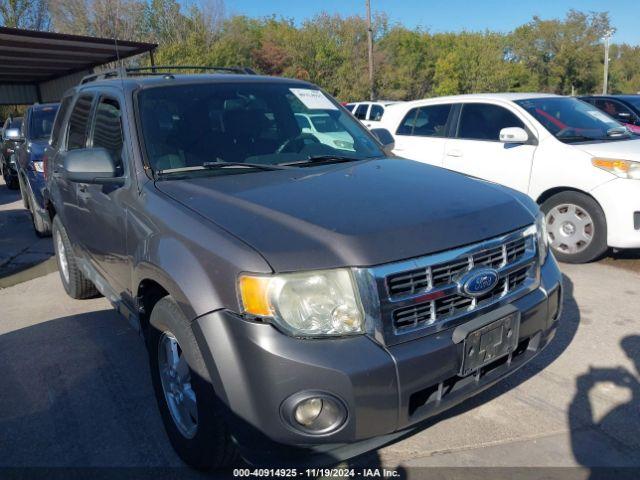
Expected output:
(10, 180)
(75, 283)
(189, 408)
(576, 226)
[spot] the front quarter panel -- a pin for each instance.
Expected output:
(557, 164)
(193, 259)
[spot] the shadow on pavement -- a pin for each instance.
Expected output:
(6, 195)
(622, 421)
(20, 248)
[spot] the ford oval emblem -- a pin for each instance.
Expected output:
(478, 282)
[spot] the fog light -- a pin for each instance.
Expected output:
(314, 412)
(308, 411)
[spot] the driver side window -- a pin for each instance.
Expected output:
(79, 123)
(107, 130)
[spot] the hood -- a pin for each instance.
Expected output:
(357, 214)
(620, 149)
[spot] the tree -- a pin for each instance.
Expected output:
(30, 14)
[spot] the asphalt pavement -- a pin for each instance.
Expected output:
(75, 388)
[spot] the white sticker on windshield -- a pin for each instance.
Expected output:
(313, 99)
(597, 114)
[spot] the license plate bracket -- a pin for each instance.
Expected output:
(490, 342)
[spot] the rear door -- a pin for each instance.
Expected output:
(422, 133)
(375, 116)
(476, 150)
(361, 111)
(103, 208)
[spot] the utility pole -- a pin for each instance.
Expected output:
(606, 38)
(372, 93)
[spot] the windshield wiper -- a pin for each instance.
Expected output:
(219, 166)
(322, 159)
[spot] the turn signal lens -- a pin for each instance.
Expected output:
(253, 293)
(620, 168)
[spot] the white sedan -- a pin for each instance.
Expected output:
(580, 165)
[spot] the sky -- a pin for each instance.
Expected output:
(453, 15)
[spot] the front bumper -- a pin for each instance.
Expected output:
(620, 200)
(387, 391)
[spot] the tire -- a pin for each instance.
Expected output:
(42, 228)
(73, 280)
(577, 227)
(208, 444)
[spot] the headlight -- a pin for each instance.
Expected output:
(320, 303)
(621, 168)
(38, 167)
(542, 237)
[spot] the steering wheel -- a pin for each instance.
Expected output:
(289, 145)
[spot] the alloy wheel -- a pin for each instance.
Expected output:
(62, 257)
(176, 385)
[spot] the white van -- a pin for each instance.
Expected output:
(579, 164)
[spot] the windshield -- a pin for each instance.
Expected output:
(41, 122)
(635, 101)
(572, 120)
(188, 126)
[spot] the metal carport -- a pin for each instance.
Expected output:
(41, 66)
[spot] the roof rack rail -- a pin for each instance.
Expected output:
(160, 70)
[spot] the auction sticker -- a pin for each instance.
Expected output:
(313, 99)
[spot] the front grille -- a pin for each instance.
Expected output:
(429, 312)
(416, 296)
(423, 279)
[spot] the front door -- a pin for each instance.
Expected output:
(476, 150)
(103, 208)
(422, 134)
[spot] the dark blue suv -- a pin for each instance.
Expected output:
(36, 127)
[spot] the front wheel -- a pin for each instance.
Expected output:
(73, 280)
(576, 226)
(190, 410)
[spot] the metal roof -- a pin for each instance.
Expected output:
(32, 57)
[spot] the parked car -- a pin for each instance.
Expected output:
(325, 129)
(299, 302)
(369, 113)
(28, 157)
(624, 108)
(577, 163)
(11, 137)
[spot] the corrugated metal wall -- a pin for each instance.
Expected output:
(53, 90)
(18, 94)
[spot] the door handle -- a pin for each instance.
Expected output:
(454, 153)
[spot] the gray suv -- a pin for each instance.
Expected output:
(300, 296)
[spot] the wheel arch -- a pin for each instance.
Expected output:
(547, 194)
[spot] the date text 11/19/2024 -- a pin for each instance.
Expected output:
(317, 472)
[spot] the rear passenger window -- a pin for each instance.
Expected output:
(56, 136)
(361, 111)
(376, 113)
(107, 130)
(79, 122)
(429, 121)
(481, 121)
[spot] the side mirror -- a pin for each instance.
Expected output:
(91, 165)
(385, 138)
(13, 134)
(514, 135)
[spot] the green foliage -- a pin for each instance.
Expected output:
(559, 55)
